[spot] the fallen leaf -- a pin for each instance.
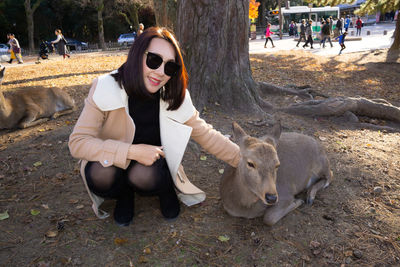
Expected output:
(51, 233)
(221, 171)
(223, 238)
(322, 138)
(37, 163)
(203, 157)
(45, 206)
(120, 241)
(73, 201)
(35, 212)
(79, 207)
(147, 251)
(4, 215)
(142, 259)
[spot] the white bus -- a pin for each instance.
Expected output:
(297, 13)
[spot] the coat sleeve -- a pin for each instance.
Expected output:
(213, 141)
(85, 144)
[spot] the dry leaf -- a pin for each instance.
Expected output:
(51, 233)
(120, 241)
(147, 251)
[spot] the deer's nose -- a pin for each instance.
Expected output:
(271, 199)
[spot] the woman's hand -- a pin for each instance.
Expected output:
(145, 154)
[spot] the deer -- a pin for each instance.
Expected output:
(30, 106)
(273, 170)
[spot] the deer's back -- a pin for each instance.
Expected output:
(302, 158)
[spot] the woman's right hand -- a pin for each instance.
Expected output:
(145, 154)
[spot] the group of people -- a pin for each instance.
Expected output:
(15, 48)
(306, 31)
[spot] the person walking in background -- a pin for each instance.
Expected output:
(15, 49)
(339, 26)
(359, 25)
(268, 35)
(326, 32)
(347, 23)
(341, 41)
(61, 44)
(302, 32)
(309, 33)
(141, 29)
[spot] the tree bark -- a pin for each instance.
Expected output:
(214, 38)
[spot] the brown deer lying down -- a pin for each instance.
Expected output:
(32, 105)
(271, 172)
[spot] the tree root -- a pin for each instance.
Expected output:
(302, 91)
(376, 108)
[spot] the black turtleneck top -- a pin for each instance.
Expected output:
(146, 116)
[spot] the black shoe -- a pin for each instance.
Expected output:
(10, 61)
(124, 209)
(169, 204)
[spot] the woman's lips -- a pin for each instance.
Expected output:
(154, 81)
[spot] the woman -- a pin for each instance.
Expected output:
(268, 35)
(134, 128)
(61, 44)
(15, 49)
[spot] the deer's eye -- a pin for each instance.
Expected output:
(251, 164)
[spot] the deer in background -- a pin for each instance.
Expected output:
(271, 172)
(30, 106)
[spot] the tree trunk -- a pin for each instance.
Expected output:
(394, 50)
(29, 11)
(165, 11)
(214, 38)
(280, 18)
(100, 24)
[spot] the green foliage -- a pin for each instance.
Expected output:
(73, 17)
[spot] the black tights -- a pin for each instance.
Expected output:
(114, 182)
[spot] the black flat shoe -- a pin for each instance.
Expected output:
(124, 210)
(169, 204)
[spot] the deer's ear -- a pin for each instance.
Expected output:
(276, 130)
(238, 132)
(275, 134)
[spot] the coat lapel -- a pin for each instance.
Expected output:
(174, 133)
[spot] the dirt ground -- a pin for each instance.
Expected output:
(353, 222)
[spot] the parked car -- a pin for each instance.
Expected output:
(74, 44)
(3, 48)
(126, 38)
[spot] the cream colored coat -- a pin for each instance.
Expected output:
(104, 132)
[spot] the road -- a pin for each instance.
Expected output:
(376, 40)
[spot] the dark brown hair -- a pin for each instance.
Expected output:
(130, 74)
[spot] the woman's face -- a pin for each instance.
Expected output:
(155, 79)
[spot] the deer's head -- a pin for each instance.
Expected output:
(259, 162)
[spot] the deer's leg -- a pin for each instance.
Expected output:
(61, 113)
(274, 213)
(31, 122)
(312, 191)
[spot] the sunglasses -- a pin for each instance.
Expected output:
(154, 61)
